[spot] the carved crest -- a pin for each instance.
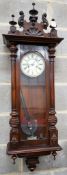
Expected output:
(33, 28)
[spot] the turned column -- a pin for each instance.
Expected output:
(53, 133)
(14, 121)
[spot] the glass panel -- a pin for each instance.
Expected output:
(33, 98)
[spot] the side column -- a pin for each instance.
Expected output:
(53, 132)
(14, 121)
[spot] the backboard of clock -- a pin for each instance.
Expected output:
(33, 132)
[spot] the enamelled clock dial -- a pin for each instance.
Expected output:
(32, 64)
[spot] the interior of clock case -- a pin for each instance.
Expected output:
(34, 100)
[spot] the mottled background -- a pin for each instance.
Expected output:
(55, 9)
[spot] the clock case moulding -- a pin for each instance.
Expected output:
(34, 34)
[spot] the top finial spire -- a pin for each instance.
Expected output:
(33, 11)
(33, 4)
(33, 15)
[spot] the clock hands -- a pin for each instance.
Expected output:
(29, 125)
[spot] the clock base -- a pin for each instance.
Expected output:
(31, 152)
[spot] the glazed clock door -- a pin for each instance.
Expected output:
(34, 84)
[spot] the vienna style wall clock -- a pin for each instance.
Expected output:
(33, 132)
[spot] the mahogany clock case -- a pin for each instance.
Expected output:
(33, 118)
